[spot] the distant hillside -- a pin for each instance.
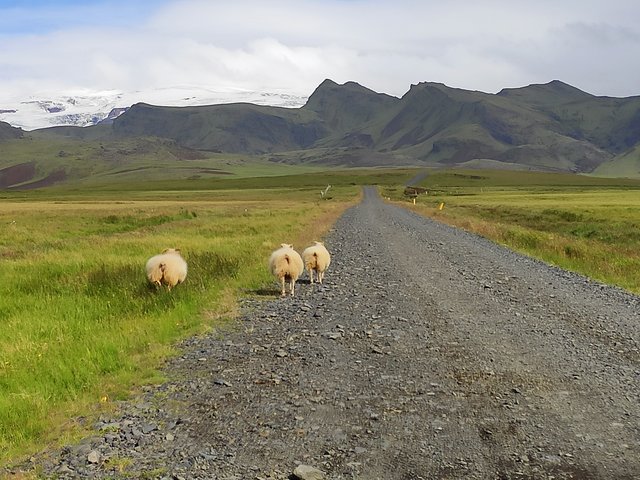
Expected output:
(233, 128)
(553, 126)
(8, 132)
(549, 127)
(624, 165)
(612, 124)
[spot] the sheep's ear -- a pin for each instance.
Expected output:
(166, 250)
(177, 250)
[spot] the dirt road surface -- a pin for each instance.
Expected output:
(428, 353)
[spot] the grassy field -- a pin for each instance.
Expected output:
(584, 224)
(80, 326)
(87, 163)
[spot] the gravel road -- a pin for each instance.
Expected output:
(428, 353)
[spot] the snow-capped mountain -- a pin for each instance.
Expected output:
(89, 108)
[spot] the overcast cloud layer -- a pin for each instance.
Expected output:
(292, 45)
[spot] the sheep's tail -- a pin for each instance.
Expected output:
(287, 270)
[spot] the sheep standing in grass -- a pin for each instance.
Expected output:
(168, 268)
(286, 265)
(316, 258)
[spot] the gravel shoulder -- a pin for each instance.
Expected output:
(429, 352)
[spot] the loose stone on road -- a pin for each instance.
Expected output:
(428, 353)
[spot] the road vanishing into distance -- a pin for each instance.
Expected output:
(428, 353)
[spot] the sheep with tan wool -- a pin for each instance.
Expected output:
(286, 265)
(316, 259)
(168, 268)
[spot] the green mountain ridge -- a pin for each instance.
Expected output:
(550, 127)
(230, 128)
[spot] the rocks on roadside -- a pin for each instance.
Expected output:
(307, 472)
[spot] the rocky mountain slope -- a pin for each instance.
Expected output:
(552, 126)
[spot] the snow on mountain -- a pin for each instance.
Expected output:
(84, 108)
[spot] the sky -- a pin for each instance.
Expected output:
(291, 46)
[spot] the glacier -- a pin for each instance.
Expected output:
(85, 107)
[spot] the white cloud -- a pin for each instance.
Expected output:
(294, 44)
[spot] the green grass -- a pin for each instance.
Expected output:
(76, 310)
(81, 325)
(584, 224)
(79, 322)
(475, 181)
(91, 162)
(291, 182)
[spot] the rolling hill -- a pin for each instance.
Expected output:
(8, 132)
(549, 127)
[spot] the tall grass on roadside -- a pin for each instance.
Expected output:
(78, 321)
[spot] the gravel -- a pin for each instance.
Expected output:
(429, 352)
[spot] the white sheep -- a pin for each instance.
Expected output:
(316, 258)
(286, 265)
(168, 268)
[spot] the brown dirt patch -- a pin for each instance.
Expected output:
(51, 179)
(23, 172)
